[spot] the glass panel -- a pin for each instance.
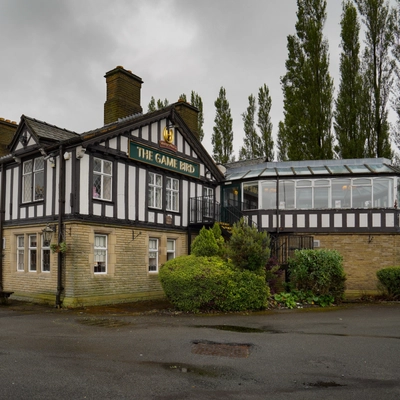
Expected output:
(358, 169)
(362, 196)
(304, 198)
(28, 167)
(268, 193)
(321, 197)
(39, 164)
(171, 245)
(27, 188)
(379, 168)
(269, 172)
(382, 192)
(97, 165)
(339, 169)
(39, 185)
(250, 196)
(286, 194)
(322, 182)
(301, 171)
(319, 170)
(107, 187)
(341, 193)
(303, 183)
(107, 167)
(46, 260)
(254, 173)
(284, 171)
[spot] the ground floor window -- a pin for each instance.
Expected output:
(21, 253)
(153, 255)
(32, 253)
(171, 249)
(100, 254)
(45, 256)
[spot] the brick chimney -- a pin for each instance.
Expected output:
(7, 131)
(189, 114)
(123, 94)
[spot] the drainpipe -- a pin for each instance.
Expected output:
(2, 212)
(60, 230)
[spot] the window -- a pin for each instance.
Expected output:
(170, 249)
(153, 255)
(45, 256)
(32, 252)
(100, 254)
(172, 194)
(20, 253)
(250, 196)
(208, 202)
(33, 180)
(102, 179)
(286, 194)
(268, 194)
(155, 190)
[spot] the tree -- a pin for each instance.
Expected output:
(379, 21)
(307, 87)
(264, 122)
(251, 142)
(349, 103)
(153, 105)
(197, 102)
(222, 136)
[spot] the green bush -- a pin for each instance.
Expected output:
(248, 248)
(389, 279)
(209, 283)
(318, 271)
(209, 243)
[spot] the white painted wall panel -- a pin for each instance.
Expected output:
(8, 195)
(121, 191)
(131, 193)
(264, 221)
(135, 132)
(145, 132)
(274, 221)
(363, 220)
(23, 213)
(288, 221)
(68, 185)
(301, 221)
(187, 148)
(151, 217)
(192, 190)
(313, 221)
(14, 194)
(124, 144)
(185, 205)
(141, 187)
(160, 218)
(376, 220)
(97, 209)
(351, 220)
(179, 141)
(389, 220)
(337, 221)
(31, 212)
(154, 132)
(202, 170)
(113, 143)
(177, 220)
(325, 220)
(109, 211)
(50, 190)
(84, 186)
(39, 210)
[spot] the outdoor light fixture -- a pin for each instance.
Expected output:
(47, 235)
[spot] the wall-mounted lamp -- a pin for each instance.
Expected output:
(17, 159)
(67, 156)
(48, 235)
(133, 235)
(80, 152)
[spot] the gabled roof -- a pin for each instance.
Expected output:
(43, 133)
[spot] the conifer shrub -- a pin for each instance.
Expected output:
(209, 283)
(319, 272)
(248, 248)
(209, 243)
(389, 281)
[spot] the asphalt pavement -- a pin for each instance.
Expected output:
(346, 352)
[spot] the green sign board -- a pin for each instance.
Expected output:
(162, 159)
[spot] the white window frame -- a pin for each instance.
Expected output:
(153, 255)
(155, 190)
(31, 178)
(20, 253)
(45, 254)
(172, 194)
(102, 176)
(208, 201)
(32, 253)
(102, 254)
(171, 253)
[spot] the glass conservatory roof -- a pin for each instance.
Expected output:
(366, 166)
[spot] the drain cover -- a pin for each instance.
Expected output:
(235, 350)
(104, 322)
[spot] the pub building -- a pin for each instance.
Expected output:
(89, 218)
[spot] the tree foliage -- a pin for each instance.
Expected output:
(222, 137)
(379, 22)
(350, 102)
(305, 133)
(197, 102)
(156, 105)
(264, 122)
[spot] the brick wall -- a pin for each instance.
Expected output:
(189, 114)
(363, 255)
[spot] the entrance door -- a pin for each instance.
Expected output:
(231, 211)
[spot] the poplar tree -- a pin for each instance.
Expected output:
(222, 137)
(251, 142)
(349, 123)
(264, 122)
(379, 21)
(307, 88)
(156, 105)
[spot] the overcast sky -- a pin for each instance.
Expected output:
(54, 54)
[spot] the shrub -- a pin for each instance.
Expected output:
(273, 275)
(389, 279)
(248, 248)
(209, 283)
(209, 243)
(318, 271)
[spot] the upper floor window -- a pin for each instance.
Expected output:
(102, 179)
(100, 254)
(33, 180)
(155, 190)
(172, 194)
